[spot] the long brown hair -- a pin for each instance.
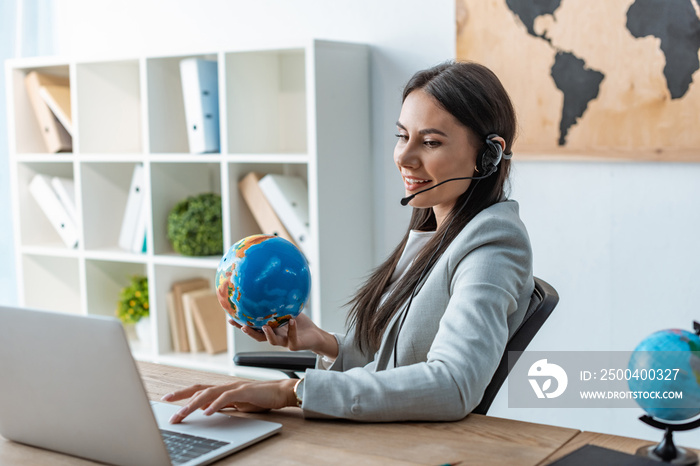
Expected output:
(475, 97)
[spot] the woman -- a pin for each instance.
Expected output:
(428, 328)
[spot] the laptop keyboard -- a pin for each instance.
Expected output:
(183, 447)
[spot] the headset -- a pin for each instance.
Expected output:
(487, 162)
(491, 155)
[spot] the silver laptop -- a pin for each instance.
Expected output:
(69, 383)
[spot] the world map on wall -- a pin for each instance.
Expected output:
(596, 74)
(674, 23)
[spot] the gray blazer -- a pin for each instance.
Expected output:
(470, 304)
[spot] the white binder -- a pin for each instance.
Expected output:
(200, 91)
(138, 244)
(58, 100)
(45, 196)
(65, 190)
(289, 198)
(132, 212)
(264, 214)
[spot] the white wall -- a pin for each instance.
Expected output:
(25, 31)
(617, 240)
(8, 294)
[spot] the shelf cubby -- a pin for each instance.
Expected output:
(50, 282)
(109, 107)
(166, 109)
(266, 101)
(105, 188)
(35, 228)
(27, 133)
(165, 276)
(241, 221)
(172, 183)
(104, 280)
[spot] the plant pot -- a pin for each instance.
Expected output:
(143, 329)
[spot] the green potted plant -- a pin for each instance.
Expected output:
(195, 227)
(133, 307)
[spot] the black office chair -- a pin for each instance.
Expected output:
(543, 301)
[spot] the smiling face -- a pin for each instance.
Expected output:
(432, 147)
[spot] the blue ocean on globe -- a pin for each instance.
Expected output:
(263, 279)
(673, 357)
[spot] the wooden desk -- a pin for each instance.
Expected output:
(477, 439)
(481, 440)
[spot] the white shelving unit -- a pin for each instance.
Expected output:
(301, 110)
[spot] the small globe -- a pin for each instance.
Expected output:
(668, 361)
(263, 279)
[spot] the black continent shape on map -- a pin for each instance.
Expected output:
(677, 25)
(579, 85)
(529, 10)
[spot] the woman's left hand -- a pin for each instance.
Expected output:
(244, 395)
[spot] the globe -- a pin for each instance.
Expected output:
(667, 361)
(261, 280)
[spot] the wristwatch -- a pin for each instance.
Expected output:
(299, 392)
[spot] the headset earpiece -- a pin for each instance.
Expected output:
(489, 158)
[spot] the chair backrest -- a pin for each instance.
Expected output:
(543, 301)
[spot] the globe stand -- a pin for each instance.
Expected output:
(666, 450)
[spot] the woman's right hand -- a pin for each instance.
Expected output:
(299, 334)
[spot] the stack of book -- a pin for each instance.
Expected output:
(280, 206)
(197, 321)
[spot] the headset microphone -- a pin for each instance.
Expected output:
(408, 199)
